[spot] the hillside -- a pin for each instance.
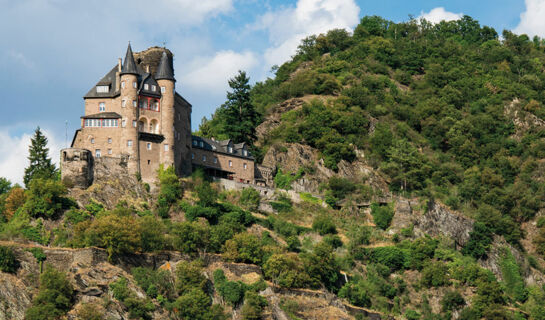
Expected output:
(409, 184)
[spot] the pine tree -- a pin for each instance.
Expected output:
(238, 115)
(40, 164)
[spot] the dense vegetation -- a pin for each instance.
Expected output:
(432, 108)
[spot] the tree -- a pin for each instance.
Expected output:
(55, 297)
(8, 263)
(40, 164)
(238, 116)
(5, 185)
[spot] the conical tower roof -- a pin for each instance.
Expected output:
(164, 70)
(129, 66)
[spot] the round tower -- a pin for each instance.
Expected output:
(166, 81)
(129, 111)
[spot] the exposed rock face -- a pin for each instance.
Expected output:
(441, 221)
(112, 183)
(524, 121)
(290, 157)
(15, 297)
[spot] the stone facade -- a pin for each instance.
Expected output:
(131, 115)
(135, 117)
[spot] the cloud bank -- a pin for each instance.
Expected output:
(532, 21)
(439, 14)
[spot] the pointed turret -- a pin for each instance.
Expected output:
(164, 70)
(129, 66)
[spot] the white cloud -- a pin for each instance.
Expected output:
(532, 20)
(211, 73)
(287, 27)
(14, 151)
(439, 14)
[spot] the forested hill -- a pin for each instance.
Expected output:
(450, 111)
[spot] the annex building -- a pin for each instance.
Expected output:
(134, 118)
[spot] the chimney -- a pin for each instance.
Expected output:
(119, 65)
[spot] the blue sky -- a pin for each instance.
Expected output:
(54, 51)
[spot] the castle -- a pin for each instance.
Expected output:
(134, 118)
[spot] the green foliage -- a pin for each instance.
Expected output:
(170, 189)
(188, 277)
(154, 282)
(45, 198)
(231, 291)
(282, 203)
(55, 296)
(253, 306)
(479, 241)
(514, 281)
(138, 308)
(244, 247)
(392, 257)
(435, 275)
(452, 300)
(190, 237)
(8, 262)
(382, 215)
(284, 180)
(412, 315)
(40, 165)
(5, 185)
(287, 270)
(323, 224)
(250, 198)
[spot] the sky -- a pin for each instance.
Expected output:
(53, 51)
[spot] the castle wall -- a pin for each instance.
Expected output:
(167, 121)
(182, 127)
(111, 105)
(76, 167)
(150, 160)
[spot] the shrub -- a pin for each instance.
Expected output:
(435, 275)
(284, 180)
(154, 282)
(253, 306)
(382, 215)
(250, 198)
(194, 304)
(282, 204)
(479, 241)
(356, 293)
(89, 311)
(190, 237)
(392, 257)
(120, 289)
(189, 276)
(452, 300)
(45, 198)
(286, 270)
(8, 262)
(54, 298)
(323, 224)
(412, 315)
(245, 248)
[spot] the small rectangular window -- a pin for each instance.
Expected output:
(123, 103)
(92, 140)
(149, 146)
(146, 86)
(195, 142)
(245, 166)
(192, 156)
(110, 151)
(97, 153)
(215, 160)
(163, 90)
(123, 123)
(103, 89)
(230, 163)
(203, 158)
(109, 140)
(153, 87)
(123, 84)
(134, 103)
(102, 107)
(129, 143)
(134, 85)
(134, 123)
(166, 147)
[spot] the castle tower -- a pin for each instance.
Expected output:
(166, 81)
(129, 144)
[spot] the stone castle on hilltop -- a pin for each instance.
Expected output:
(134, 118)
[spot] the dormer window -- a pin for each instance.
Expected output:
(230, 149)
(103, 89)
(202, 144)
(153, 87)
(245, 152)
(146, 86)
(195, 143)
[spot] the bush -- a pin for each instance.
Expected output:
(194, 304)
(286, 270)
(412, 315)
(323, 224)
(189, 276)
(435, 275)
(8, 262)
(479, 241)
(190, 237)
(392, 257)
(245, 248)
(452, 300)
(46, 198)
(356, 293)
(382, 215)
(249, 199)
(253, 306)
(54, 298)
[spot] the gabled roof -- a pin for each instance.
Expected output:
(103, 115)
(129, 66)
(222, 147)
(148, 79)
(108, 80)
(165, 71)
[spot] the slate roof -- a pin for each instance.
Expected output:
(165, 71)
(129, 66)
(103, 115)
(108, 80)
(148, 79)
(222, 147)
